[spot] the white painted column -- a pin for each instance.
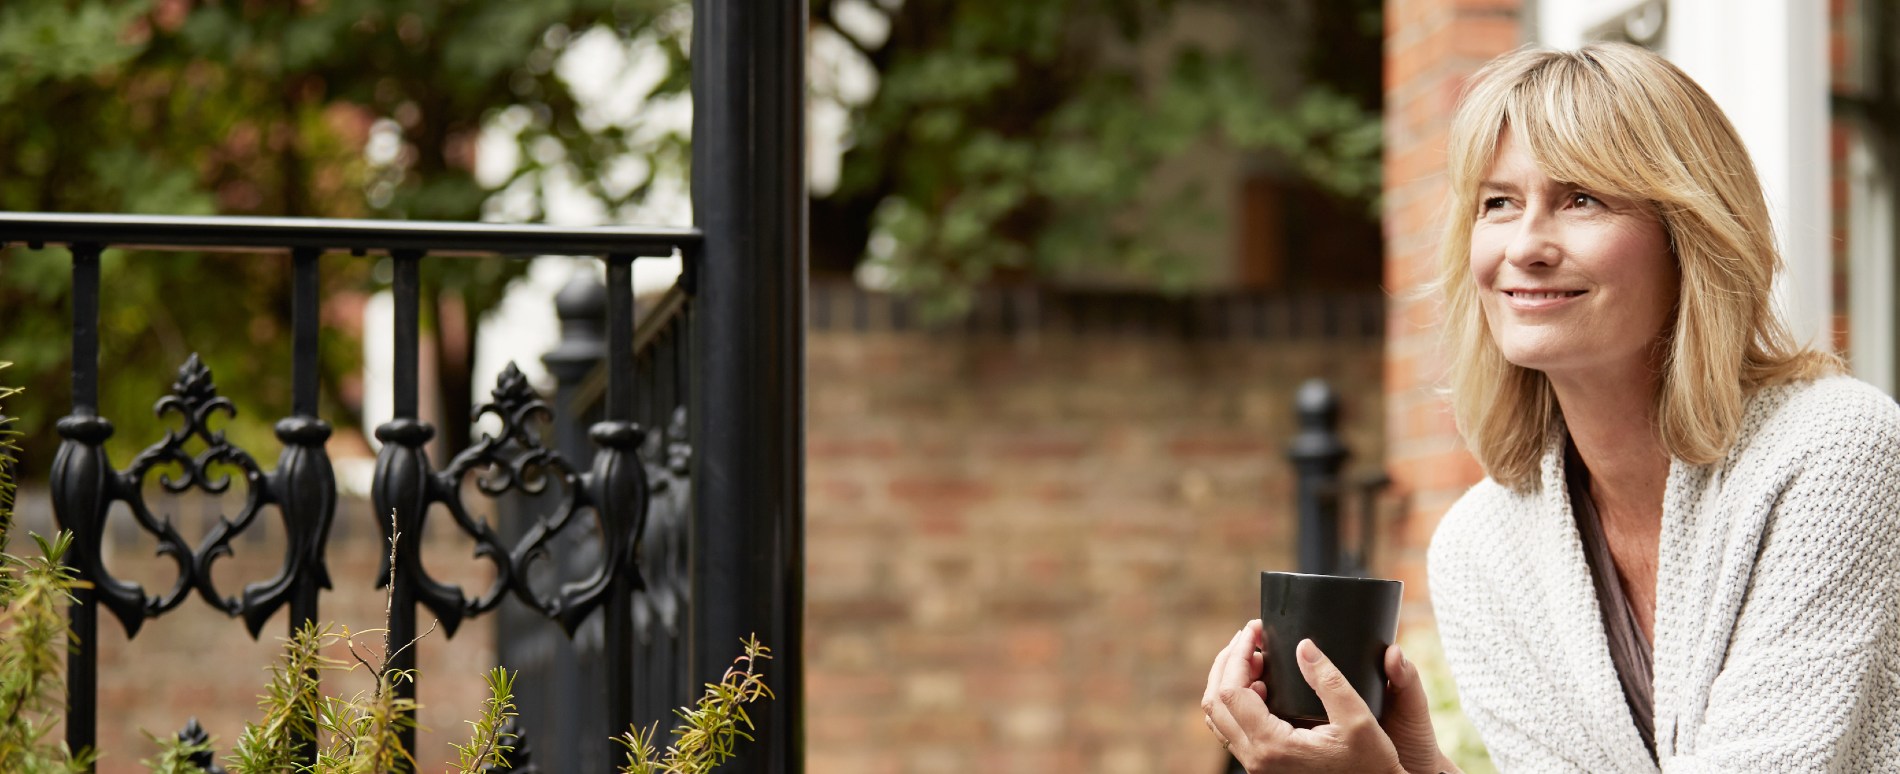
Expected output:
(1765, 63)
(1870, 299)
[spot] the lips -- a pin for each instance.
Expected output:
(1542, 295)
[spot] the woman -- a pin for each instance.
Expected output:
(1686, 553)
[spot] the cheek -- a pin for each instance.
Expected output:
(1662, 278)
(1485, 259)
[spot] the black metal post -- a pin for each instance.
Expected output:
(79, 480)
(304, 478)
(618, 534)
(1317, 454)
(304, 481)
(400, 489)
(748, 534)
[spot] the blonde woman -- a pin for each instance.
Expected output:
(1686, 554)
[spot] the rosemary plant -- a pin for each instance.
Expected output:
(175, 755)
(290, 703)
(34, 635)
(708, 732)
(486, 744)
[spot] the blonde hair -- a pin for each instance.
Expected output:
(1622, 121)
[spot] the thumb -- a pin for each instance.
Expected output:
(1343, 705)
(1408, 714)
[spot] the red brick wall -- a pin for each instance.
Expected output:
(1842, 39)
(1432, 47)
(1024, 550)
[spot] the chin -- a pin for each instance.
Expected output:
(1534, 358)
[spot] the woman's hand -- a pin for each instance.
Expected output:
(1352, 740)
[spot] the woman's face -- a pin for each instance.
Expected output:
(1574, 283)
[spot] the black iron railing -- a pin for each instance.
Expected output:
(551, 662)
(301, 488)
(707, 416)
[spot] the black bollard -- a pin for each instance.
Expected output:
(1317, 454)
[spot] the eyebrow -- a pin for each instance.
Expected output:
(1494, 186)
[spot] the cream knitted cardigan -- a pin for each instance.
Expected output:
(1777, 644)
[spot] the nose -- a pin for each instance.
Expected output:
(1535, 243)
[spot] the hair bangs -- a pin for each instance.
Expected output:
(1583, 130)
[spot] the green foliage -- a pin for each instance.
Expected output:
(364, 729)
(708, 732)
(33, 634)
(1042, 138)
(1000, 138)
(487, 744)
(9, 457)
(289, 704)
(137, 106)
(175, 755)
(34, 592)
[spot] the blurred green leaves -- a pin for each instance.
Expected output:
(997, 139)
(267, 108)
(56, 41)
(1037, 139)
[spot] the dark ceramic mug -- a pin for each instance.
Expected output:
(1352, 620)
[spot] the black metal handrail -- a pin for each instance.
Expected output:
(250, 234)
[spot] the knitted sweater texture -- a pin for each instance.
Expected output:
(1777, 634)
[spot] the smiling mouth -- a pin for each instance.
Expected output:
(1542, 295)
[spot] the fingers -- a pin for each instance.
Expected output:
(1236, 713)
(1235, 700)
(1259, 662)
(1221, 720)
(1239, 669)
(1407, 691)
(1237, 695)
(1257, 658)
(1210, 699)
(1215, 730)
(1220, 667)
(1343, 705)
(1408, 714)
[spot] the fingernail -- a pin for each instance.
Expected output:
(1309, 652)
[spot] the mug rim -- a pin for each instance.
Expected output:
(1321, 576)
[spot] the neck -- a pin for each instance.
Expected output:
(1612, 421)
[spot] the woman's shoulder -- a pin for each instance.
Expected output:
(1487, 518)
(1818, 465)
(1837, 413)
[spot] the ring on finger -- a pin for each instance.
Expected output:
(1217, 733)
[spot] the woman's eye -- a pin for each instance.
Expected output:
(1492, 203)
(1580, 199)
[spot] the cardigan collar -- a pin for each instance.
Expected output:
(1572, 595)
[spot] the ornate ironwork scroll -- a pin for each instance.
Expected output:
(515, 459)
(85, 486)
